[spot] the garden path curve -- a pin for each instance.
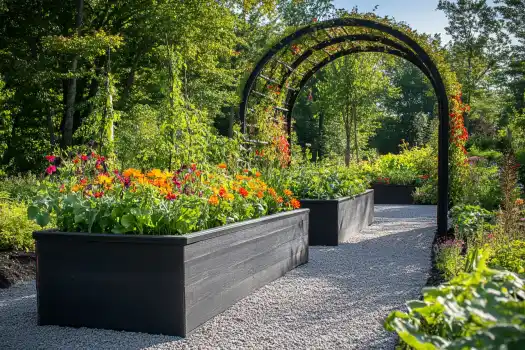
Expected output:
(337, 301)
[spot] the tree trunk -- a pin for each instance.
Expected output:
(67, 137)
(348, 135)
(356, 133)
(51, 129)
(320, 137)
(231, 122)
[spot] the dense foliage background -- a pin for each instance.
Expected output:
(155, 82)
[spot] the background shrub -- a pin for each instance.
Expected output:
(510, 256)
(15, 228)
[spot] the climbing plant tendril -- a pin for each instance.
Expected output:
(277, 79)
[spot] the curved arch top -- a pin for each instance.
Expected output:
(290, 63)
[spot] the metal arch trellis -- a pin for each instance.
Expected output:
(287, 73)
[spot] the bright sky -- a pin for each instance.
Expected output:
(419, 14)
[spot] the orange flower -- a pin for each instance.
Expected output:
(98, 194)
(198, 173)
(223, 192)
(272, 192)
(295, 203)
(76, 188)
(519, 202)
(280, 200)
(154, 173)
(257, 174)
(288, 192)
(132, 173)
(222, 166)
(243, 192)
(214, 200)
(260, 194)
(246, 170)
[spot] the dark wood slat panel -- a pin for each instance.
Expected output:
(223, 281)
(222, 259)
(215, 244)
(222, 301)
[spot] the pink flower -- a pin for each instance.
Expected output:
(51, 169)
(51, 158)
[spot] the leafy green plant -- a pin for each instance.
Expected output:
(325, 181)
(414, 166)
(426, 193)
(15, 228)
(509, 256)
(86, 197)
(469, 221)
(483, 309)
(449, 259)
(20, 188)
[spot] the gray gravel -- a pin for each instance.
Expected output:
(337, 301)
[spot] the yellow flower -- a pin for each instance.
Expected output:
(230, 197)
(76, 188)
(104, 180)
(155, 173)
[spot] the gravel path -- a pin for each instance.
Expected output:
(336, 301)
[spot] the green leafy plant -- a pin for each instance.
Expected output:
(469, 221)
(87, 197)
(509, 256)
(325, 181)
(483, 309)
(15, 228)
(449, 259)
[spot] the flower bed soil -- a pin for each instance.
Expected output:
(16, 267)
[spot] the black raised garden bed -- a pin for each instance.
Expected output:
(335, 220)
(393, 194)
(162, 284)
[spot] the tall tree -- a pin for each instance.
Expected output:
(479, 45)
(349, 95)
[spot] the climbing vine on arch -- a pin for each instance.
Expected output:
(289, 63)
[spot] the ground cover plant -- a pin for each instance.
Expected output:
(481, 309)
(86, 196)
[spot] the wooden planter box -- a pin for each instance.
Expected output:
(334, 221)
(162, 284)
(393, 194)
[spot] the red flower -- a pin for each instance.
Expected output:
(243, 192)
(222, 192)
(50, 158)
(75, 160)
(171, 196)
(83, 181)
(51, 169)
(84, 157)
(98, 194)
(314, 19)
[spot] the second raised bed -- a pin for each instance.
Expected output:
(334, 221)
